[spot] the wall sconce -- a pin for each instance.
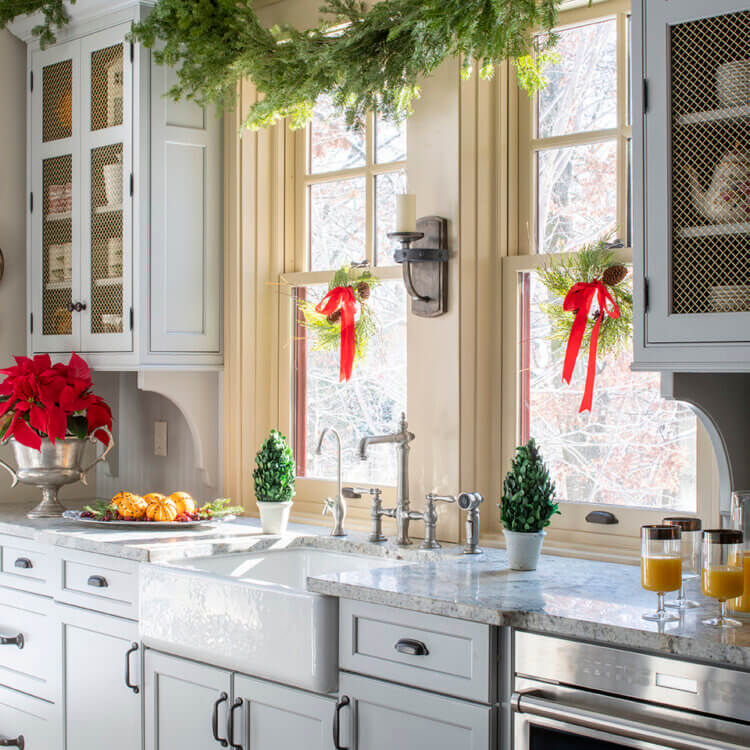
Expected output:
(423, 254)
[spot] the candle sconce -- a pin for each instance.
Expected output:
(424, 257)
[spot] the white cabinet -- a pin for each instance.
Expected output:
(125, 232)
(186, 704)
(27, 722)
(400, 718)
(272, 717)
(100, 681)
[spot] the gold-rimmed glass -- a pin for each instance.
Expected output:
(691, 543)
(723, 576)
(661, 566)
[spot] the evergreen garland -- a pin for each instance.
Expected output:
(53, 12)
(528, 500)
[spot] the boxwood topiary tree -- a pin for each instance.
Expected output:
(274, 470)
(528, 500)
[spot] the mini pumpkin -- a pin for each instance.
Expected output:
(159, 507)
(184, 502)
(131, 507)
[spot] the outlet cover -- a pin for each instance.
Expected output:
(160, 438)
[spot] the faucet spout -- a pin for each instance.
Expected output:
(337, 507)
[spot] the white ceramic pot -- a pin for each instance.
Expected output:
(523, 548)
(274, 517)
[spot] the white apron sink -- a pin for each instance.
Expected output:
(250, 612)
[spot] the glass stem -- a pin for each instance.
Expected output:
(722, 611)
(660, 610)
(681, 594)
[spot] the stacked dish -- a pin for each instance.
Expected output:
(733, 83)
(732, 298)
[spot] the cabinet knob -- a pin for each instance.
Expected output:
(99, 582)
(18, 742)
(12, 640)
(411, 647)
(76, 306)
(23, 562)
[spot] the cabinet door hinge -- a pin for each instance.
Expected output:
(31, 203)
(645, 95)
(131, 185)
(645, 295)
(31, 322)
(131, 318)
(31, 80)
(132, 51)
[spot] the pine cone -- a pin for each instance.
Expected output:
(334, 317)
(363, 289)
(614, 275)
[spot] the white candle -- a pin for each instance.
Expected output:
(406, 213)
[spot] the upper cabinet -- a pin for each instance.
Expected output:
(691, 169)
(125, 235)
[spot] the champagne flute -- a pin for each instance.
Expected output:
(690, 550)
(661, 566)
(723, 576)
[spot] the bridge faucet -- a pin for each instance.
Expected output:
(337, 507)
(401, 440)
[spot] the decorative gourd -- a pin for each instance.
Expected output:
(123, 499)
(159, 507)
(131, 507)
(184, 502)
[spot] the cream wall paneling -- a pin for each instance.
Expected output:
(171, 300)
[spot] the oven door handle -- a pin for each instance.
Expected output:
(533, 703)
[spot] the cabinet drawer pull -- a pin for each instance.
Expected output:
(133, 648)
(341, 703)
(215, 719)
(23, 562)
(230, 724)
(411, 647)
(18, 742)
(12, 640)
(99, 582)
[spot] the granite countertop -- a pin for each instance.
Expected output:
(600, 602)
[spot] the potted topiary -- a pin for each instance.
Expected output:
(527, 505)
(274, 483)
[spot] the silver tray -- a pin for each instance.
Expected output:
(75, 517)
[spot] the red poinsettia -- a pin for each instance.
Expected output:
(39, 399)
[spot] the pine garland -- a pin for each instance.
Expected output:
(591, 262)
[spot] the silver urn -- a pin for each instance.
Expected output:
(51, 467)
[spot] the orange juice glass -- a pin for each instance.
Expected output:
(740, 515)
(661, 566)
(741, 604)
(723, 576)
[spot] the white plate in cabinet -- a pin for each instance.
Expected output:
(269, 716)
(436, 653)
(34, 720)
(25, 565)
(187, 704)
(98, 582)
(100, 680)
(27, 646)
(392, 717)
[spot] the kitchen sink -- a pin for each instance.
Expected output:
(250, 612)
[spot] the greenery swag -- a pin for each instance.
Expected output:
(365, 59)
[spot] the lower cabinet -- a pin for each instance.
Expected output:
(186, 704)
(274, 717)
(27, 722)
(101, 681)
(387, 716)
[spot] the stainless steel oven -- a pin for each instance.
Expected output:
(577, 696)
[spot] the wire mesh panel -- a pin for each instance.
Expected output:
(107, 79)
(106, 239)
(710, 90)
(57, 245)
(57, 101)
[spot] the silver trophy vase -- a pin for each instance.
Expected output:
(51, 467)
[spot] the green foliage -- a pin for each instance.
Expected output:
(528, 500)
(366, 59)
(560, 273)
(274, 470)
(52, 10)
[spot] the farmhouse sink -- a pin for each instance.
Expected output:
(250, 612)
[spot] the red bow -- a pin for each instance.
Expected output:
(342, 297)
(579, 299)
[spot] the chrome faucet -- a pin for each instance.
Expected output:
(430, 519)
(337, 507)
(401, 440)
(377, 511)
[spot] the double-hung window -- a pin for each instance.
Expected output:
(635, 456)
(344, 186)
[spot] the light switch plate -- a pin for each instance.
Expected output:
(160, 438)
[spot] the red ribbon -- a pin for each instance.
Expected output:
(579, 299)
(342, 297)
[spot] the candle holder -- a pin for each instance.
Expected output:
(424, 257)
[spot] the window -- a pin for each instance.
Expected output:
(345, 186)
(635, 452)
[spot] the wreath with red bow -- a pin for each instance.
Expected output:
(342, 319)
(592, 307)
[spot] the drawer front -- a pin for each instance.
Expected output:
(25, 565)
(34, 720)
(28, 656)
(98, 582)
(431, 652)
